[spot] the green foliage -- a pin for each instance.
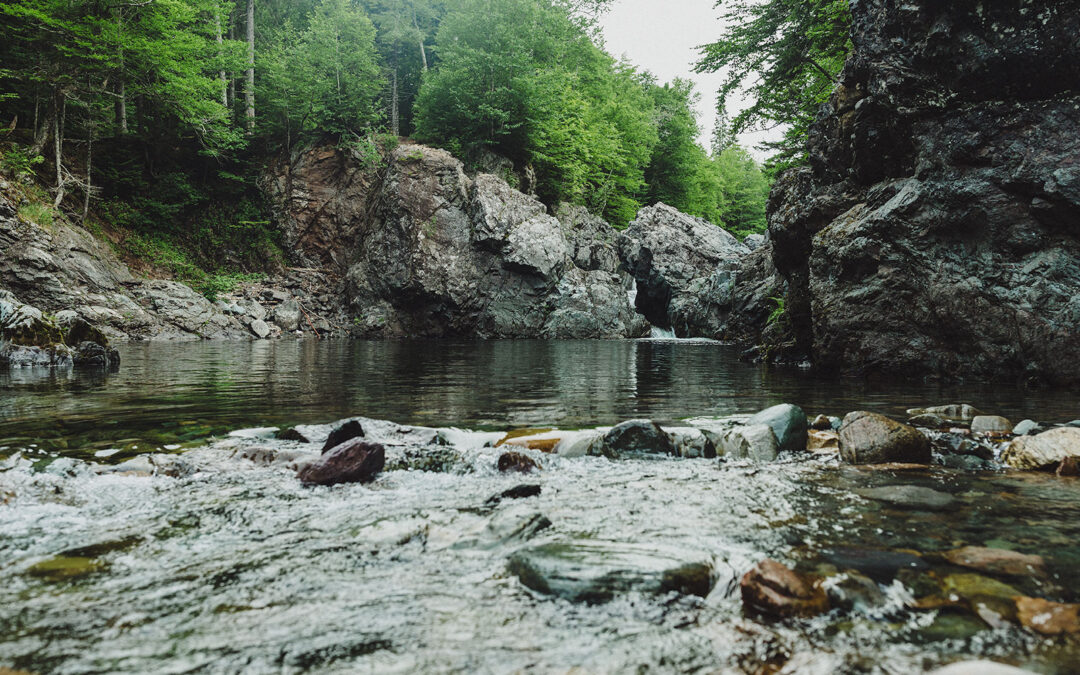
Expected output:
(324, 78)
(19, 163)
(162, 252)
(523, 79)
(37, 212)
(779, 312)
(785, 54)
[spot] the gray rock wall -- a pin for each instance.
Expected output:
(937, 231)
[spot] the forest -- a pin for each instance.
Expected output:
(152, 120)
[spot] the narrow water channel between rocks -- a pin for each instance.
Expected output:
(150, 521)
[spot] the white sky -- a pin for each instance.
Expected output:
(662, 36)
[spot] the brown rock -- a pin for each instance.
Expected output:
(997, 561)
(821, 423)
(1070, 466)
(515, 461)
(773, 589)
(869, 438)
(355, 461)
(1048, 618)
(823, 441)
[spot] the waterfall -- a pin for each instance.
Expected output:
(663, 333)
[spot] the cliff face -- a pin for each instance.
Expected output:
(423, 250)
(937, 229)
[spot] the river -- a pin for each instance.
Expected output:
(222, 565)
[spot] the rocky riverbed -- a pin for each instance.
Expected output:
(741, 544)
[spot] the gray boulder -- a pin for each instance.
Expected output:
(991, 424)
(756, 441)
(788, 422)
(636, 437)
(684, 268)
(287, 315)
(909, 497)
(869, 438)
(1026, 427)
(595, 571)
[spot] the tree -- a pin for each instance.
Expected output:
(786, 54)
(523, 79)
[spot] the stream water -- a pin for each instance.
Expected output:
(214, 563)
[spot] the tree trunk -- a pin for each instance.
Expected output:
(249, 93)
(395, 124)
(232, 78)
(41, 135)
(221, 55)
(423, 49)
(121, 108)
(89, 159)
(121, 95)
(58, 146)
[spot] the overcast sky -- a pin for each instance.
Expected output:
(662, 37)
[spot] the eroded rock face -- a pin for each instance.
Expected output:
(435, 253)
(65, 270)
(684, 268)
(935, 231)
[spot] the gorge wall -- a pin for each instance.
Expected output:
(937, 229)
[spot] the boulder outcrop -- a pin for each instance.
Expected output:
(935, 230)
(684, 268)
(433, 252)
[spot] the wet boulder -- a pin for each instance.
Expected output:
(960, 412)
(1043, 450)
(991, 424)
(595, 571)
(346, 432)
(788, 422)
(636, 438)
(1027, 428)
(772, 589)
(756, 442)
(869, 438)
(517, 462)
(355, 461)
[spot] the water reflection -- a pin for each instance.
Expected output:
(170, 392)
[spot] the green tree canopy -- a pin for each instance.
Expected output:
(786, 55)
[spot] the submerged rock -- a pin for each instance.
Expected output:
(997, 561)
(595, 571)
(1043, 450)
(979, 668)
(1048, 618)
(788, 423)
(869, 438)
(355, 461)
(881, 566)
(961, 412)
(775, 590)
(291, 435)
(909, 497)
(636, 437)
